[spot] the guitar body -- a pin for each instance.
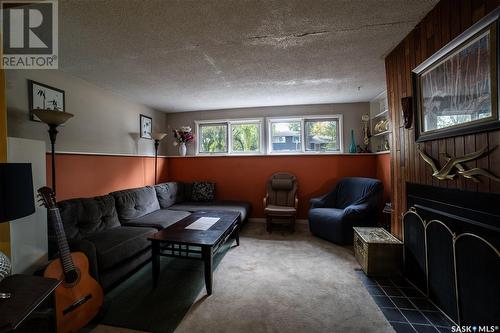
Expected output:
(79, 302)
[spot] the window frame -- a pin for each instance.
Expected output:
(303, 119)
(229, 123)
(198, 137)
(340, 134)
(270, 121)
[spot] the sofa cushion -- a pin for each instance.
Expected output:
(116, 245)
(169, 193)
(203, 191)
(136, 202)
(159, 219)
(83, 216)
(234, 206)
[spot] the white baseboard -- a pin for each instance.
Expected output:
(263, 220)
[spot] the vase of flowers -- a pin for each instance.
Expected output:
(183, 136)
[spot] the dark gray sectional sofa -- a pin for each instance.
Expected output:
(112, 230)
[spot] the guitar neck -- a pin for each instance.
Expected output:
(62, 242)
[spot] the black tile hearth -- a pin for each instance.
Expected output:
(375, 291)
(393, 314)
(411, 292)
(423, 304)
(392, 291)
(425, 328)
(383, 301)
(406, 308)
(437, 318)
(403, 303)
(402, 328)
(415, 317)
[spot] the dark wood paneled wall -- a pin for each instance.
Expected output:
(443, 23)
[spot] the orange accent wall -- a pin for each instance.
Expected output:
(244, 178)
(237, 178)
(384, 174)
(91, 175)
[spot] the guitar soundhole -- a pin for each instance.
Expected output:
(72, 277)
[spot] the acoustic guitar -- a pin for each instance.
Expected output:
(79, 297)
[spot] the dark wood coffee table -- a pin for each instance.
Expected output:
(178, 242)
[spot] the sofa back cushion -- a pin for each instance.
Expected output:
(84, 216)
(169, 193)
(136, 202)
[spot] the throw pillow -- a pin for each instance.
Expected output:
(203, 191)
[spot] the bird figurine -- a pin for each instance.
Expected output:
(446, 172)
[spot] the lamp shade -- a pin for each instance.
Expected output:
(52, 117)
(16, 191)
(158, 136)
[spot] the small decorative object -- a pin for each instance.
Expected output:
(183, 136)
(454, 167)
(456, 89)
(157, 137)
(146, 126)
(386, 145)
(43, 97)
(366, 129)
(5, 266)
(16, 201)
(407, 111)
(352, 146)
(381, 126)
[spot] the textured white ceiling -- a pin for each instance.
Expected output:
(212, 54)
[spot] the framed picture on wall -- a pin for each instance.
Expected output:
(146, 126)
(42, 96)
(456, 89)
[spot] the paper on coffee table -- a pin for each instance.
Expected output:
(203, 223)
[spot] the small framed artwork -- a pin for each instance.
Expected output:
(42, 96)
(146, 126)
(456, 89)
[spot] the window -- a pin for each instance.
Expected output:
(305, 134)
(242, 136)
(322, 135)
(245, 137)
(212, 138)
(285, 135)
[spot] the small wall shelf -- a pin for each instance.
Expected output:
(379, 113)
(382, 133)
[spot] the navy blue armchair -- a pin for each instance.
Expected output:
(353, 202)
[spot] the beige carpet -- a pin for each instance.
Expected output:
(283, 282)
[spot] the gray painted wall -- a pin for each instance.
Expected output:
(351, 112)
(104, 122)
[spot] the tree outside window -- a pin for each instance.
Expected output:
(213, 138)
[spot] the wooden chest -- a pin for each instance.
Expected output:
(378, 252)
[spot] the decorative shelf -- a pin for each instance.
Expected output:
(381, 113)
(382, 133)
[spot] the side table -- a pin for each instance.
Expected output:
(28, 293)
(378, 252)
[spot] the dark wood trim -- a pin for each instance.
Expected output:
(442, 24)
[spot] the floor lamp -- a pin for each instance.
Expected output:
(16, 201)
(157, 137)
(53, 118)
